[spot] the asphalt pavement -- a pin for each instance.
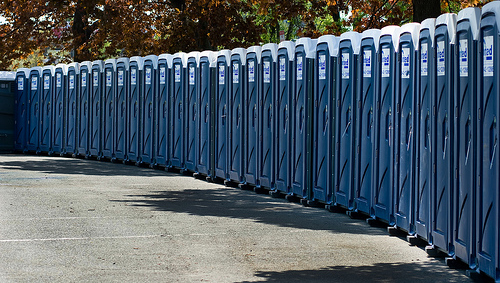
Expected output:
(73, 220)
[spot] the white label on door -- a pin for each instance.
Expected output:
(177, 71)
(96, 78)
(424, 60)
(84, 79)
(34, 83)
(488, 65)
(464, 57)
(46, 82)
(162, 75)
(222, 75)
(191, 75)
(71, 81)
(108, 78)
(133, 76)
(367, 63)
(120, 78)
(282, 69)
(267, 72)
(148, 76)
(441, 62)
(299, 68)
(405, 63)
(322, 67)
(386, 62)
(236, 73)
(59, 80)
(251, 71)
(345, 65)
(20, 83)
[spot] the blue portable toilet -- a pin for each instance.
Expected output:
(122, 78)
(250, 102)
(349, 47)
(325, 97)
(221, 110)
(442, 189)
(423, 169)
(191, 111)
(71, 110)
(266, 116)
(162, 130)
(34, 99)
(95, 114)
(46, 110)
(177, 127)
(488, 105)
(134, 109)
(405, 127)
(383, 197)
(59, 101)
(21, 109)
(301, 109)
(83, 108)
(235, 117)
(206, 115)
(283, 102)
(108, 109)
(148, 109)
(464, 192)
(365, 128)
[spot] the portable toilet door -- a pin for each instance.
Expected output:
(95, 115)
(46, 110)
(34, 108)
(250, 102)
(405, 126)
(148, 109)
(488, 210)
(346, 114)
(266, 116)
(221, 119)
(235, 115)
(191, 104)
(423, 174)
(365, 135)
(161, 134)
(133, 109)
(83, 108)
(59, 101)
(21, 110)
(384, 124)
(283, 102)
(325, 96)
(177, 127)
(109, 108)
(206, 116)
(71, 110)
(120, 121)
(441, 193)
(464, 192)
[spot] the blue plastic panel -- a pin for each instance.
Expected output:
(425, 79)
(72, 118)
(162, 110)
(148, 108)
(108, 110)
(250, 101)
(191, 104)
(21, 109)
(221, 119)
(59, 118)
(46, 109)
(177, 127)
(325, 97)
(35, 81)
(267, 116)
(121, 109)
(83, 107)
(95, 115)
(133, 109)
(205, 119)
(283, 103)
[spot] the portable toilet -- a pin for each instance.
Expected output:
(365, 128)
(383, 182)
(120, 119)
(71, 110)
(109, 108)
(488, 105)
(283, 102)
(423, 174)
(147, 123)
(349, 47)
(235, 114)
(59, 101)
(464, 192)
(324, 137)
(8, 110)
(95, 115)
(266, 116)
(405, 126)
(206, 116)
(34, 108)
(251, 105)
(83, 108)
(161, 135)
(177, 127)
(191, 111)
(46, 110)
(21, 109)
(134, 110)
(442, 190)
(221, 110)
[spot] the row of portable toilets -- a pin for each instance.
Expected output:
(399, 124)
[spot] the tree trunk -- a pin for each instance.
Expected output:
(424, 9)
